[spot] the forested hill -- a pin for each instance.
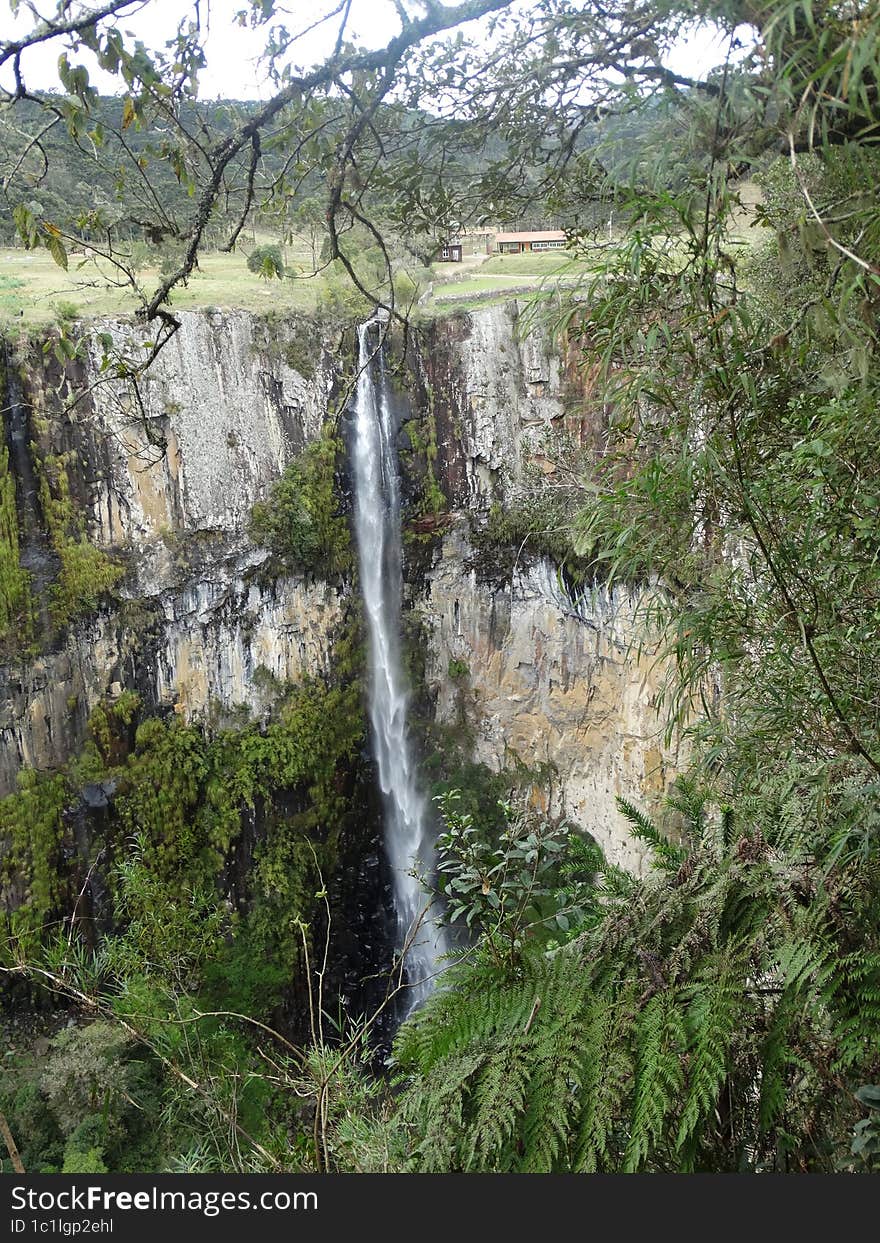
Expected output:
(132, 175)
(112, 167)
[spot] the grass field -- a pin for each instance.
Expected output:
(500, 273)
(480, 285)
(541, 265)
(34, 290)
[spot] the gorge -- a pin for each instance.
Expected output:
(439, 595)
(512, 669)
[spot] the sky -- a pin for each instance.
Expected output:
(233, 70)
(232, 51)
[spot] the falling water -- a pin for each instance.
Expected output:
(377, 528)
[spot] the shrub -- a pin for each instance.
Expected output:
(78, 1162)
(528, 526)
(299, 523)
(267, 261)
(67, 311)
(87, 575)
(78, 1081)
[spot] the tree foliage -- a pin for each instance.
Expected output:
(719, 1017)
(703, 1022)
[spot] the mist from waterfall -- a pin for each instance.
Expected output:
(407, 828)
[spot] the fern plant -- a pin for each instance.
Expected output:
(704, 1022)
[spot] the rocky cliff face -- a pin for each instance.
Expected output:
(553, 681)
(544, 672)
(167, 476)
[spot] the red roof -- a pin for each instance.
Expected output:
(548, 235)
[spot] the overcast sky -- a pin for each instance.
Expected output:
(233, 52)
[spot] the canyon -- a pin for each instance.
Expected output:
(531, 670)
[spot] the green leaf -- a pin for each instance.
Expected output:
(57, 250)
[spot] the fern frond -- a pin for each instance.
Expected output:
(661, 1041)
(711, 1020)
(606, 1075)
(552, 1099)
(776, 1056)
(688, 797)
(852, 995)
(667, 856)
(499, 1101)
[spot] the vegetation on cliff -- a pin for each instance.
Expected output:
(87, 574)
(209, 853)
(14, 582)
(300, 521)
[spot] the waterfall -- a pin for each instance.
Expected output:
(377, 529)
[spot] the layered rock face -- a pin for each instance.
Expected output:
(545, 673)
(167, 477)
(553, 681)
(236, 413)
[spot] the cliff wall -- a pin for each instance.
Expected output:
(165, 474)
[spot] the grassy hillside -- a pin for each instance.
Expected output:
(34, 290)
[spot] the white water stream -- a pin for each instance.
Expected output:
(407, 826)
